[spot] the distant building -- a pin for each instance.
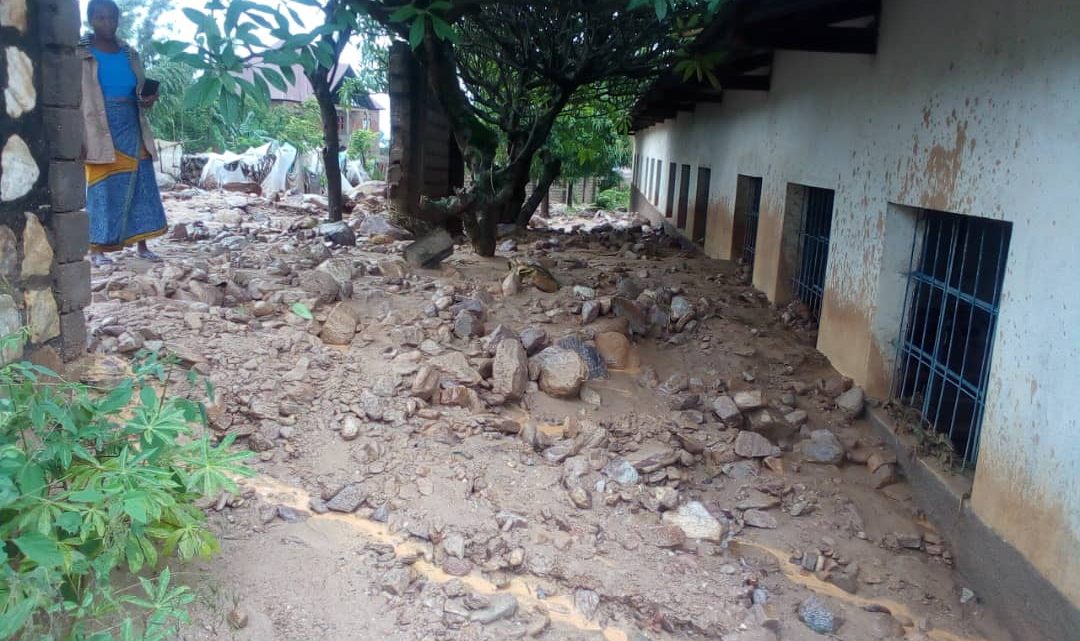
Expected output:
(364, 113)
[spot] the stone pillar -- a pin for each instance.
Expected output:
(44, 232)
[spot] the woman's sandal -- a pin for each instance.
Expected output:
(100, 260)
(146, 254)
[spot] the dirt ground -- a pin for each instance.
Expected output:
(383, 511)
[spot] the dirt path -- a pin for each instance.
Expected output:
(377, 514)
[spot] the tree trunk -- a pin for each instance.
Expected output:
(543, 184)
(569, 194)
(545, 204)
(332, 143)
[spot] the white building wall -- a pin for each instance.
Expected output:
(968, 107)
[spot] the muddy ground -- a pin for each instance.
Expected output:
(402, 492)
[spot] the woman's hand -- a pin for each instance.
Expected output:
(148, 101)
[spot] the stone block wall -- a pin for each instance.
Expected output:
(44, 232)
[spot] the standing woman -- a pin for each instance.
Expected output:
(122, 195)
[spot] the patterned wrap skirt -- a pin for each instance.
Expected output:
(122, 197)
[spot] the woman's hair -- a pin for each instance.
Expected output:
(100, 4)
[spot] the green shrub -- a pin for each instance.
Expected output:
(94, 482)
(614, 198)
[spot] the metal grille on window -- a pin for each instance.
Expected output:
(656, 189)
(951, 309)
(813, 260)
(753, 212)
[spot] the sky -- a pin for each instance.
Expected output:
(175, 25)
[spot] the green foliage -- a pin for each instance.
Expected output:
(614, 198)
(97, 481)
(363, 145)
(590, 140)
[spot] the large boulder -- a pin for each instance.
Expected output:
(562, 372)
(340, 325)
(320, 285)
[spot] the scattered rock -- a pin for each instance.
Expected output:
(884, 476)
(348, 499)
(511, 369)
(615, 349)
(590, 396)
(350, 428)
(753, 445)
(338, 233)
(340, 325)
(426, 383)
(696, 522)
(503, 606)
(852, 401)
(590, 311)
(375, 224)
(760, 519)
(456, 365)
(398, 580)
(816, 616)
(533, 339)
(587, 602)
(430, 250)
(751, 400)
(562, 372)
(320, 285)
(664, 536)
(823, 447)
(727, 411)
(581, 498)
(621, 471)
(468, 325)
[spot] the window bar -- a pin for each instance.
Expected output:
(901, 359)
(976, 414)
(926, 317)
(936, 376)
(947, 365)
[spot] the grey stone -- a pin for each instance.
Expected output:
(590, 311)
(727, 411)
(129, 342)
(454, 545)
(816, 616)
(20, 95)
(348, 499)
(628, 287)
(581, 498)
(397, 580)
(377, 224)
(338, 233)
(680, 307)
(467, 325)
(751, 400)
(340, 268)
(584, 293)
(511, 369)
(562, 372)
(852, 401)
(753, 445)
(426, 383)
(533, 339)
(797, 417)
(322, 286)
(759, 519)
(350, 428)
(621, 471)
(696, 522)
(430, 250)
(43, 316)
(586, 602)
(495, 338)
(502, 606)
(73, 333)
(456, 365)
(823, 447)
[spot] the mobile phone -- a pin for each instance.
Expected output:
(150, 88)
